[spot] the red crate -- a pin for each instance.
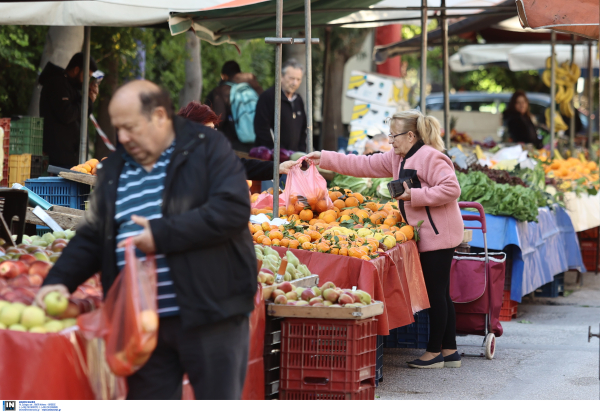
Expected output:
(364, 393)
(589, 259)
(506, 315)
(5, 124)
(589, 234)
(328, 355)
(506, 302)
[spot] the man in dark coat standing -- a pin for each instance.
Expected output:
(60, 106)
(178, 190)
(293, 116)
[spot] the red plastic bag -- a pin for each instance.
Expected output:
(306, 188)
(128, 321)
(265, 201)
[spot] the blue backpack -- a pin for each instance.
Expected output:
(243, 99)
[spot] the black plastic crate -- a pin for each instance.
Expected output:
(272, 360)
(272, 324)
(36, 167)
(415, 335)
(553, 289)
(271, 389)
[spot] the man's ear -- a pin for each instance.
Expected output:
(160, 116)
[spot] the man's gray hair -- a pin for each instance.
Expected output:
(293, 63)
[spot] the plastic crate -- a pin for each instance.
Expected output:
(415, 335)
(379, 361)
(553, 289)
(5, 125)
(59, 191)
(27, 135)
(19, 168)
(589, 251)
(506, 315)
(364, 393)
(328, 355)
(272, 360)
(41, 230)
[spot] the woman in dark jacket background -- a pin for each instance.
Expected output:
(519, 121)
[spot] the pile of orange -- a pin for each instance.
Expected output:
(88, 167)
(355, 227)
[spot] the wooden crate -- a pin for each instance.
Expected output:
(363, 312)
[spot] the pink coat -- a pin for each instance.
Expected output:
(435, 202)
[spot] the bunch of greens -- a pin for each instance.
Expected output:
(499, 199)
(376, 188)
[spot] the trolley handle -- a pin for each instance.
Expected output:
(480, 218)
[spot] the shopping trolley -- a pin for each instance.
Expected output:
(476, 288)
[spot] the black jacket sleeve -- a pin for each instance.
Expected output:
(218, 219)
(82, 257)
(263, 120)
(258, 169)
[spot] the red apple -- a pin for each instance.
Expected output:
(24, 291)
(27, 259)
(58, 245)
(8, 269)
(19, 281)
(22, 267)
(345, 299)
(40, 268)
(72, 311)
(285, 286)
(36, 280)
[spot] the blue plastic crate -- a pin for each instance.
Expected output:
(415, 335)
(60, 191)
(553, 289)
(40, 230)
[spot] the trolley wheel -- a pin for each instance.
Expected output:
(490, 346)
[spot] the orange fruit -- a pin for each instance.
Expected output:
(358, 196)
(344, 251)
(265, 226)
(365, 258)
(313, 221)
(284, 242)
(340, 204)
(266, 241)
(355, 252)
(400, 237)
(293, 218)
(86, 167)
(343, 218)
(376, 218)
(335, 195)
(408, 231)
(373, 206)
(330, 217)
(275, 234)
(290, 209)
(299, 207)
(351, 201)
(390, 221)
(304, 239)
(362, 214)
(321, 206)
(314, 235)
(346, 212)
(383, 213)
(323, 247)
(275, 242)
(306, 215)
(94, 162)
(307, 246)
(335, 251)
(294, 244)
(260, 238)
(257, 234)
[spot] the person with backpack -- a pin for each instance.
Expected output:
(293, 116)
(234, 101)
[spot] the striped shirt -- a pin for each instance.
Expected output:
(140, 193)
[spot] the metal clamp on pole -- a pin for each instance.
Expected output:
(303, 41)
(279, 40)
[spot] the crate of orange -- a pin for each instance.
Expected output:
(356, 226)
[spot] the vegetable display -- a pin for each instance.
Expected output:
(498, 176)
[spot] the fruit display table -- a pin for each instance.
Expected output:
(395, 278)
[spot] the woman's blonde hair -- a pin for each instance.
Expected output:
(427, 128)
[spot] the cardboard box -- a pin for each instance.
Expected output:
(370, 115)
(376, 88)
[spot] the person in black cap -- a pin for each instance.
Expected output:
(60, 106)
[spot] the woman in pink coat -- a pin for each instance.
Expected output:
(418, 154)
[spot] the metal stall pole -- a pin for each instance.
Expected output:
(572, 103)
(325, 80)
(552, 93)
(424, 56)
(590, 83)
(277, 137)
(85, 92)
(309, 96)
(446, 66)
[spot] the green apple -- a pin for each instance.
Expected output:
(32, 316)
(41, 256)
(48, 238)
(53, 326)
(70, 234)
(20, 306)
(3, 303)
(69, 322)
(55, 303)
(59, 235)
(17, 327)
(2, 326)
(37, 329)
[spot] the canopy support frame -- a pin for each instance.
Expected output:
(85, 92)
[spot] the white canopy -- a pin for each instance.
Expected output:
(368, 18)
(518, 58)
(116, 13)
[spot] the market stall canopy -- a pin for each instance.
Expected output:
(518, 58)
(256, 18)
(112, 13)
(407, 12)
(579, 17)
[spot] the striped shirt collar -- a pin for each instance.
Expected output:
(164, 155)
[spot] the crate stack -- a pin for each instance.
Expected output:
(271, 356)
(26, 141)
(415, 335)
(379, 363)
(588, 241)
(553, 289)
(328, 359)
(509, 307)
(5, 125)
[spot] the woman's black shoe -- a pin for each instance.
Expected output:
(452, 361)
(435, 363)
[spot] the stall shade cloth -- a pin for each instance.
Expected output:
(573, 16)
(541, 250)
(395, 278)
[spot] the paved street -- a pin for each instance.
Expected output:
(543, 354)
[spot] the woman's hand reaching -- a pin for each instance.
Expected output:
(315, 157)
(284, 168)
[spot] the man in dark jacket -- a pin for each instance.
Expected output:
(196, 226)
(293, 116)
(219, 100)
(60, 106)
